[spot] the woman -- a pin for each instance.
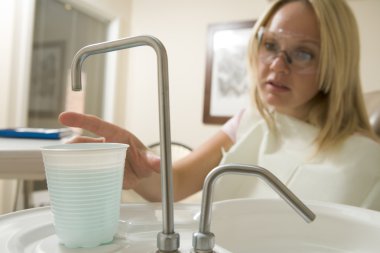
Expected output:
(310, 127)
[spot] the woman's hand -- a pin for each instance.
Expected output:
(139, 163)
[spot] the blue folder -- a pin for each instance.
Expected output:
(36, 133)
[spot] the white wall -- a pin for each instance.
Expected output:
(6, 17)
(367, 14)
(16, 31)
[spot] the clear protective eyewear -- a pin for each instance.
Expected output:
(301, 53)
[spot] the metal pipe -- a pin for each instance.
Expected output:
(167, 240)
(203, 241)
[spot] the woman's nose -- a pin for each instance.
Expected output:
(280, 63)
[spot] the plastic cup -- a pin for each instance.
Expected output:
(84, 183)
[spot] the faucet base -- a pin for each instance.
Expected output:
(167, 242)
(203, 242)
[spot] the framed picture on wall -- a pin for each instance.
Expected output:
(47, 79)
(227, 80)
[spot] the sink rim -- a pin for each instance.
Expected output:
(147, 218)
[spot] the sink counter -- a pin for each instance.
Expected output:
(240, 226)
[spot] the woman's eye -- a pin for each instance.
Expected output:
(271, 46)
(303, 56)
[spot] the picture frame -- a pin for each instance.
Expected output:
(47, 79)
(226, 80)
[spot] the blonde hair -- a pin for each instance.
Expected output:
(338, 109)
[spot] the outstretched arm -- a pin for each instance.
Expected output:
(139, 162)
(142, 166)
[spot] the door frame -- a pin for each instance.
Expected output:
(22, 41)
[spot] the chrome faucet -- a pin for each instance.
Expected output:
(204, 239)
(167, 240)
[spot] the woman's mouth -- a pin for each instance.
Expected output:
(275, 86)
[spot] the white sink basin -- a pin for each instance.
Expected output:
(272, 226)
(240, 226)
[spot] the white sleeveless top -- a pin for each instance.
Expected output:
(350, 175)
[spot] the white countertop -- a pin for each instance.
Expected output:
(32, 230)
(22, 159)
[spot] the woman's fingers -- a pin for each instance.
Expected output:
(93, 124)
(135, 171)
(139, 163)
(154, 161)
(85, 139)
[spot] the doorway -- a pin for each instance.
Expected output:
(60, 30)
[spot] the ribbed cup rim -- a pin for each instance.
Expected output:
(84, 147)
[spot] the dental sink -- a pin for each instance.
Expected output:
(240, 226)
(270, 226)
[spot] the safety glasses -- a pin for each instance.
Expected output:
(300, 53)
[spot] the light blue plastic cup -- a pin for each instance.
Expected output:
(84, 183)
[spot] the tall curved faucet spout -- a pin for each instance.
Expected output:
(167, 240)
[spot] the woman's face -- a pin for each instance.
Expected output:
(288, 59)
